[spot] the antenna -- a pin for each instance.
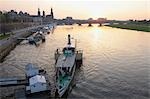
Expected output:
(75, 43)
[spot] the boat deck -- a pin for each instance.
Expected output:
(63, 80)
(66, 61)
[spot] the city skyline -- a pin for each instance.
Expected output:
(110, 9)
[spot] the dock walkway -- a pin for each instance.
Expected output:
(14, 81)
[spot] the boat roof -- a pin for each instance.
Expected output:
(37, 79)
(69, 46)
(30, 66)
(64, 61)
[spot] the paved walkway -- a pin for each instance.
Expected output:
(17, 34)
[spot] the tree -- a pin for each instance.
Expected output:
(4, 18)
(1, 12)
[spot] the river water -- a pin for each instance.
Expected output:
(116, 62)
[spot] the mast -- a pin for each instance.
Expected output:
(52, 13)
(69, 39)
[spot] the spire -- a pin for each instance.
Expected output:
(52, 13)
(39, 12)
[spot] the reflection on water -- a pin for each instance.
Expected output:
(116, 61)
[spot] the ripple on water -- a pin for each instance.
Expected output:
(116, 62)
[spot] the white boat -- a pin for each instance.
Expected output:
(37, 38)
(37, 80)
(65, 68)
(32, 70)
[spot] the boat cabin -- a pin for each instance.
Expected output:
(68, 51)
(31, 70)
(37, 84)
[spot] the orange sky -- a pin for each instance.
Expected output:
(84, 9)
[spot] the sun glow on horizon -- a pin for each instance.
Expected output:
(83, 9)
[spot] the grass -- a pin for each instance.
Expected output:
(4, 36)
(138, 27)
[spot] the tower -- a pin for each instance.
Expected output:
(43, 13)
(52, 13)
(39, 12)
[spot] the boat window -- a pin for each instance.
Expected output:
(68, 51)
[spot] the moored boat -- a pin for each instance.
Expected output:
(37, 38)
(37, 80)
(65, 67)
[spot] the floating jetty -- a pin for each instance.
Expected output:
(14, 81)
(36, 82)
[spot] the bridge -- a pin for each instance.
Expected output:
(90, 21)
(99, 21)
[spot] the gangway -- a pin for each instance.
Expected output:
(13, 81)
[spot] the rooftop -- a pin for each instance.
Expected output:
(36, 79)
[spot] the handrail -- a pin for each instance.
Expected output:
(60, 52)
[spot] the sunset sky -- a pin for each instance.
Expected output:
(83, 9)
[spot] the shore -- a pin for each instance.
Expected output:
(138, 27)
(10, 42)
(4, 36)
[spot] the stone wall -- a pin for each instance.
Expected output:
(10, 44)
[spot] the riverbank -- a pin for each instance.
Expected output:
(10, 42)
(138, 27)
(4, 36)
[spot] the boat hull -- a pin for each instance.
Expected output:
(63, 92)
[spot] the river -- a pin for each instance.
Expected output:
(116, 62)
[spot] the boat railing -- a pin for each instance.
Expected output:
(79, 51)
(58, 51)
